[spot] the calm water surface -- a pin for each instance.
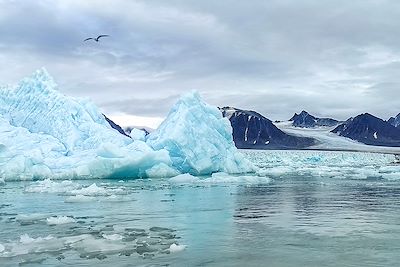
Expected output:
(299, 219)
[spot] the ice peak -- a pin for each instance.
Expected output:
(198, 139)
(42, 73)
(40, 80)
(191, 97)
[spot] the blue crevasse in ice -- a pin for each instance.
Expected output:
(45, 134)
(198, 138)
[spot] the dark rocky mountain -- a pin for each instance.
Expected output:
(115, 126)
(369, 130)
(395, 121)
(305, 120)
(252, 130)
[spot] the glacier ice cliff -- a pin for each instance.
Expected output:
(45, 134)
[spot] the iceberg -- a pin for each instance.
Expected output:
(45, 134)
(198, 138)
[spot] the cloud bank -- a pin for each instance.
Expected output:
(331, 58)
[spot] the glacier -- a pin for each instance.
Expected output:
(45, 134)
(286, 164)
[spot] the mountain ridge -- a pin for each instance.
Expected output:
(250, 129)
(306, 120)
(370, 130)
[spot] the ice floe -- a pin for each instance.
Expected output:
(57, 220)
(219, 178)
(176, 248)
(334, 164)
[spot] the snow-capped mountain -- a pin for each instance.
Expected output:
(369, 130)
(252, 130)
(305, 120)
(395, 121)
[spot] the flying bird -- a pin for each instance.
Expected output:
(97, 38)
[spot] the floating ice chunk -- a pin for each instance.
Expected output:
(391, 176)
(49, 186)
(176, 248)
(26, 239)
(91, 244)
(198, 139)
(218, 178)
(92, 190)
(113, 237)
(30, 218)
(114, 198)
(275, 171)
(246, 179)
(184, 179)
(59, 220)
(79, 199)
(28, 245)
(2, 181)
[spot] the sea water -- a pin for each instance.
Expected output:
(302, 208)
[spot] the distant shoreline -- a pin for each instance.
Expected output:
(326, 149)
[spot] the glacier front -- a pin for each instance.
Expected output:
(45, 134)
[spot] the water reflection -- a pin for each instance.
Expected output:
(317, 222)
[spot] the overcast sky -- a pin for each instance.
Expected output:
(331, 58)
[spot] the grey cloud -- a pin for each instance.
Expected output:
(333, 58)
